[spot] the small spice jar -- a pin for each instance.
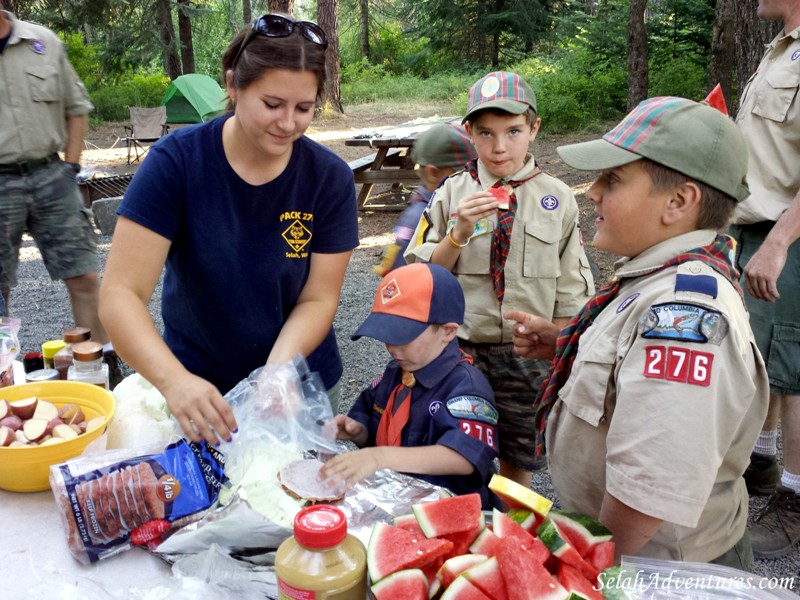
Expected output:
(88, 365)
(63, 358)
(321, 561)
(49, 350)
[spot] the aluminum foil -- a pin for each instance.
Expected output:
(247, 535)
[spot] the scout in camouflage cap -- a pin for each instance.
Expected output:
(443, 145)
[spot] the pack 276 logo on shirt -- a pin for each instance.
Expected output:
(297, 235)
(679, 364)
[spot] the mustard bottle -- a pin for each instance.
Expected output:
(321, 561)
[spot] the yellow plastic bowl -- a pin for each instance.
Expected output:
(28, 469)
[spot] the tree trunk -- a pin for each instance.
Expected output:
(185, 33)
(637, 54)
(247, 12)
(326, 17)
(284, 6)
(364, 9)
(751, 35)
(723, 49)
(172, 65)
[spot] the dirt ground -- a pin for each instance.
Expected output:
(106, 154)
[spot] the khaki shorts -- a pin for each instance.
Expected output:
(775, 325)
(515, 382)
(48, 205)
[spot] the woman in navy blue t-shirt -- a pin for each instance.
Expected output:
(254, 224)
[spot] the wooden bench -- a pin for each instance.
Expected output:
(369, 170)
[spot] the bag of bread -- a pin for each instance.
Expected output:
(112, 501)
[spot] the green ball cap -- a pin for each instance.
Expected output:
(686, 136)
(444, 145)
(501, 90)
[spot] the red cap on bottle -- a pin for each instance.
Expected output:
(320, 526)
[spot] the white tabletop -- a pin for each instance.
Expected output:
(33, 549)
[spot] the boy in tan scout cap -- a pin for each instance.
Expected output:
(651, 417)
(509, 232)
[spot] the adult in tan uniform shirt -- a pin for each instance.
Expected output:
(43, 110)
(767, 226)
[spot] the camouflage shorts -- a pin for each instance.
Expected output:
(515, 382)
(48, 205)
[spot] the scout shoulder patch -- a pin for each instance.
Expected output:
(473, 408)
(684, 322)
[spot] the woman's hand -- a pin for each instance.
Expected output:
(200, 409)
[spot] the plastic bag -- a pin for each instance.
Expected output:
(9, 349)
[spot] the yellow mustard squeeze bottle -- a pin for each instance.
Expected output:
(322, 561)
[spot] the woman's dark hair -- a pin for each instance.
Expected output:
(293, 52)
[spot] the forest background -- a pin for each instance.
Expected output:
(588, 60)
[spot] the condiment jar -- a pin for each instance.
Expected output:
(49, 350)
(321, 561)
(88, 365)
(63, 358)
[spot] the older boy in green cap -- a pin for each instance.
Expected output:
(657, 390)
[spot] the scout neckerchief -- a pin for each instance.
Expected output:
(718, 255)
(393, 420)
(501, 238)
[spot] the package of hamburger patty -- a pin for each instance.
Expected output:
(115, 500)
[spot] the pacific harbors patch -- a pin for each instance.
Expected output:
(473, 408)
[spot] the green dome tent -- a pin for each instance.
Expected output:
(194, 98)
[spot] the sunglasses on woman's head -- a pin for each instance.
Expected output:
(278, 26)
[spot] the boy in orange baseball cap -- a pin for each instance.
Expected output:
(431, 414)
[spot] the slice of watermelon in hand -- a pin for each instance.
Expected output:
(503, 196)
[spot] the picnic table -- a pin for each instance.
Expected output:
(391, 163)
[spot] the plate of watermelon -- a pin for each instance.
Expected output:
(451, 549)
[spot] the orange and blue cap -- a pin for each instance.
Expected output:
(408, 300)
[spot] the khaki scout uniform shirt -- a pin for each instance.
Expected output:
(38, 91)
(769, 117)
(665, 424)
(546, 273)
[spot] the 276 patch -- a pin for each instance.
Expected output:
(675, 363)
(684, 322)
(480, 431)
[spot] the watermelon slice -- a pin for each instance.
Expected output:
(502, 195)
(574, 581)
(601, 556)
(515, 495)
(582, 532)
(392, 549)
(453, 567)
(527, 519)
(556, 541)
(410, 584)
(463, 589)
(449, 515)
(485, 543)
(461, 540)
(408, 522)
(525, 578)
(505, 527)
(487, 578)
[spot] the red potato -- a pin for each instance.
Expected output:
(45, 410)
(24, 408)
(77, 428)
(17, 444)
(20, 437)
(13, 422)
(52, 440)
(34, 429)
(65, 432)
(52, 423)
(5, 409)
(67, 411)
(93, 424)
(7, 436)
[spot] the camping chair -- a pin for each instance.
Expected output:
(147, 125)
